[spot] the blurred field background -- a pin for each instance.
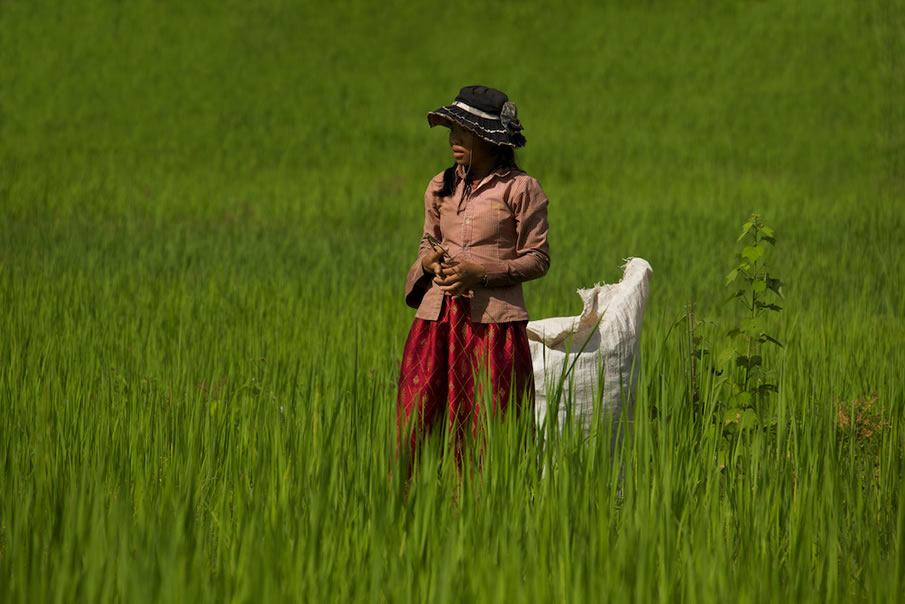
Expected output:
(207, 210)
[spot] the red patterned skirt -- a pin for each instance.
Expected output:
(443, 361)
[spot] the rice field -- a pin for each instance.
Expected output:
(207, 211)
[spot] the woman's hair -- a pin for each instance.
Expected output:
(505, 158)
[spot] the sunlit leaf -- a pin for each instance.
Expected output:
(732, 416)
(731, 276)
(752, 252)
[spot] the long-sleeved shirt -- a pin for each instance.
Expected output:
(501, 224)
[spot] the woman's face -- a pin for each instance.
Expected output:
(468, 149)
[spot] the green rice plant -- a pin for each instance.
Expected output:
(216, 199)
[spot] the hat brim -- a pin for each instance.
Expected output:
(490, 130)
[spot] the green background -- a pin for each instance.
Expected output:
(207, 210)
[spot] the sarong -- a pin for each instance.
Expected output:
(441, 363)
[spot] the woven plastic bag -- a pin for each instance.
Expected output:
(594, 357)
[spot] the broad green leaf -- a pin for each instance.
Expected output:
(775, 285)
(751, 326)
(770, 240)
(745, 228)
(732, 416)
(748, 419)
(726, 356)
(758, 286)
(743, 399)
(748, 362)
(767, 231)
(731, 276)
(752, 252)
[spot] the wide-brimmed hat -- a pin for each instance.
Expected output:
(485, 111)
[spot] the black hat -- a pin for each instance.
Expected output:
(485, 111)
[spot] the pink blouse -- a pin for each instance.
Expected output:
(501, 224)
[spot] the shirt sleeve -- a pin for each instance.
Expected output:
(529, 206)
(417, 282)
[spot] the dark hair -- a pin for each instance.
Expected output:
(505, 158)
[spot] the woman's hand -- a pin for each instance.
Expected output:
(431, 262)
(458, 276)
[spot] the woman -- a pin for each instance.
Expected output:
(485, 232)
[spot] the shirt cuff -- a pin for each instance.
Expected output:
(498, 275)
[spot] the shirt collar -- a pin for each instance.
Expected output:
(499, 171)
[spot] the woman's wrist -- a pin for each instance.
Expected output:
(427, 267)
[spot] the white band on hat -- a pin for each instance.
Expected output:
(475, 111)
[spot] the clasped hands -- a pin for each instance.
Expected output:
(453, 277)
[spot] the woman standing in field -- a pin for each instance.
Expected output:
(485, 232)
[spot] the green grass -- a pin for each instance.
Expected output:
(206, 214)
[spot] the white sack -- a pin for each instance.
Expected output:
(611, 359)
